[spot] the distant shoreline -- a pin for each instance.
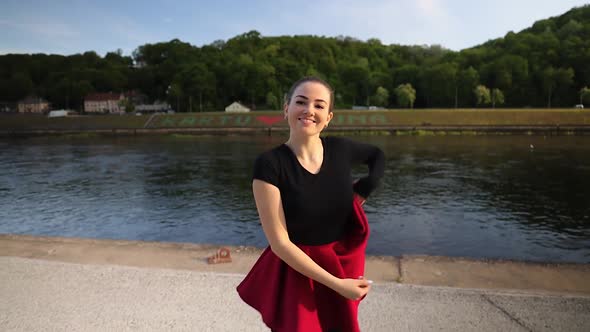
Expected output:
(375, 131)
(380, 122)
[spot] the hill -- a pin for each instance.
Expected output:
(542, 66)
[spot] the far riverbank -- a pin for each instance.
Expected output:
(380, 122)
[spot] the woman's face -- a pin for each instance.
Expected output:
(308, 112)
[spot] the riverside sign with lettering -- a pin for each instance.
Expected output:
(253, 120)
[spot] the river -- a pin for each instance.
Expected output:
(501, 197)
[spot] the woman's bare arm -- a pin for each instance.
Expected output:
(272, 217)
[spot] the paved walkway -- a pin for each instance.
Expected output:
(42, 295)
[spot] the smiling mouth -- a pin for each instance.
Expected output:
(307, 119)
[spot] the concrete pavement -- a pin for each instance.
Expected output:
(41, 295)
(69, 284)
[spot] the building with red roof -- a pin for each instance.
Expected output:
(104, 103)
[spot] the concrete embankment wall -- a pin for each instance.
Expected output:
(550, 121)
(415, 270)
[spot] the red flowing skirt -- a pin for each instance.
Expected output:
(291, 302)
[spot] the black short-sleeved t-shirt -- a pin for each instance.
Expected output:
(318, 207)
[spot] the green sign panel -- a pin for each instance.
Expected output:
(254, 120)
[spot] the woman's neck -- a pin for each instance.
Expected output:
(306, 148)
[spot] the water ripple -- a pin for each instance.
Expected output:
(456, 196)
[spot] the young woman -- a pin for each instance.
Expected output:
(311, 276)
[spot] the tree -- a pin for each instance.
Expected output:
(357, 77)
(497, 97)
(466, 83)
(564, 78)
(311, 71)
(545, 64)
(18, 86)
(381, 97)
(406, 95)
(498, 74)
(272, 101)
(127, 105)
(585, 95)
(548, 83)
(117, 59)
(175, 92)
(79, 92)
(406, 73)
(439, 84)
(552, 78)
(570, 28)
(196, 81)
(482, 95)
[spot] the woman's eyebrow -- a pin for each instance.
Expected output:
(304, 97)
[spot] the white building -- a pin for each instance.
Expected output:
(237, 107)
(104, 103)
(33, 104)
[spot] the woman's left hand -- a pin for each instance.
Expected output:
(361, 199)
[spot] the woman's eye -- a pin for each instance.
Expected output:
(319, 106)
(299, 102)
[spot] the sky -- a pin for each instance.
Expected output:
(76, 26)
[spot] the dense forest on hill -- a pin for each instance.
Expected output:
(546, 65)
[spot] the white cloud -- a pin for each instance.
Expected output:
(393, 22)
(454, 24)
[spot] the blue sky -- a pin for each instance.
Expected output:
(76, 26)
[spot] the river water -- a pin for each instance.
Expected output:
(510, 197)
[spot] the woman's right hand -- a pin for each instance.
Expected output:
(353, 289)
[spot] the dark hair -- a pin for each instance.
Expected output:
(315, 80)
